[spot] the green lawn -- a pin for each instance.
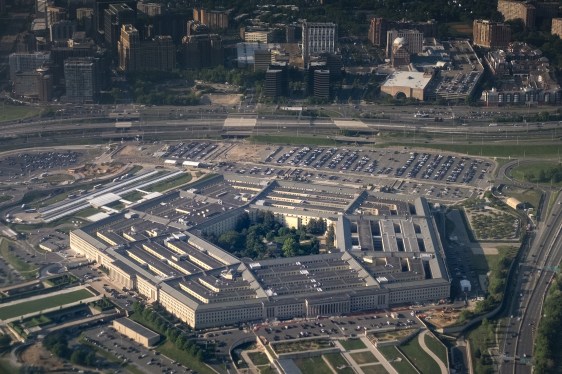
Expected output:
(183, 357)
(526, 170)
(133, 196)
(374, 369)
(423, 362)
(13, 112)
(530, 196)
(339, 364)
(258, 358)
(352, 344)
(397, 360)
(436, 347)
(90, 211)
(42, 304)
(170, 183)
(27, 270)
(364, 358)
(306, 140)
(5, 198)
(314, 365)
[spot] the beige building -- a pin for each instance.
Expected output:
(137, 332)
(490, 34)
(513, 9)
(407, 84)
(557, 27)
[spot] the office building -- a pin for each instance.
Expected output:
(2, 6)
(202, 51)
(252, 34)
(262, 59)
(137, 332)
(407, 84)
(129, 49)
(150, 9)
(215, 19)
(379, 27)
(55, 14)
(83, 13)
(276, 80)
(513, 9)
(99, 12)
(82, 79)
(557, 27)
(116, 15)
(25, 62)
(490, 34)
(413, 39)
(400, 52)
(318, 38)
(158, 53)
(45, 84)
(380, 260)
(322, 84)
(61, 30)
(377, 31)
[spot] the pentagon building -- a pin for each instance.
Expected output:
(387, 252)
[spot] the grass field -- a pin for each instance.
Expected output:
(397, 360)
(527, 171)
(530, 196)
(183, 357)
(13, 112)
(374, 369)
(26, 270)
(351, 344)
(5, 198)
(339, 363)
(314, 365)
(436, 347)
(279, 139)
(42, 304)
(170, 183)
(419, 357)
(364, 358)
(258, 358)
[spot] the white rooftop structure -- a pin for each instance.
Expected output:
(104, 199)
(411, 79)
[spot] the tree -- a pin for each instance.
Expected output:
(290, 247)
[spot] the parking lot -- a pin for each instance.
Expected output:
(125, 349)
(27, 163)
(386, 163)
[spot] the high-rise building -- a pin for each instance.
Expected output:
(129, 48)
(44, 84)
(318, 38)
(61, 30)
(513, 9)
(116, 15)
(490, 34)
(413, 38)
(262, 59)
(55, 14)
(379, 26)
(99, 11)
(158, 53)
(276, 80)
(321, 84)
(377, 31)
(202, 51)
(82, 79)
(215, 19)
(557, 27)
(2, 6)
(25, 62)
(400, 52)
(150, 9)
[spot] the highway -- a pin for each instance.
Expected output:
(533, 278)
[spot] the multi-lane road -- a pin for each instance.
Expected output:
(533, 278)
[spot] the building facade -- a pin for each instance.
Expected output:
(514, 9)
(556, 27)
(215, 19)
(413, 39)
(490, 34)
(82, 79)
(318, 38)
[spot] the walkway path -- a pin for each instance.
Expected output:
(421, 341)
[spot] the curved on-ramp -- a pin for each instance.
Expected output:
(421, 341)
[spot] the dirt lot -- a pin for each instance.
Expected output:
(36, 355)
(221, 99)
(246, 152)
